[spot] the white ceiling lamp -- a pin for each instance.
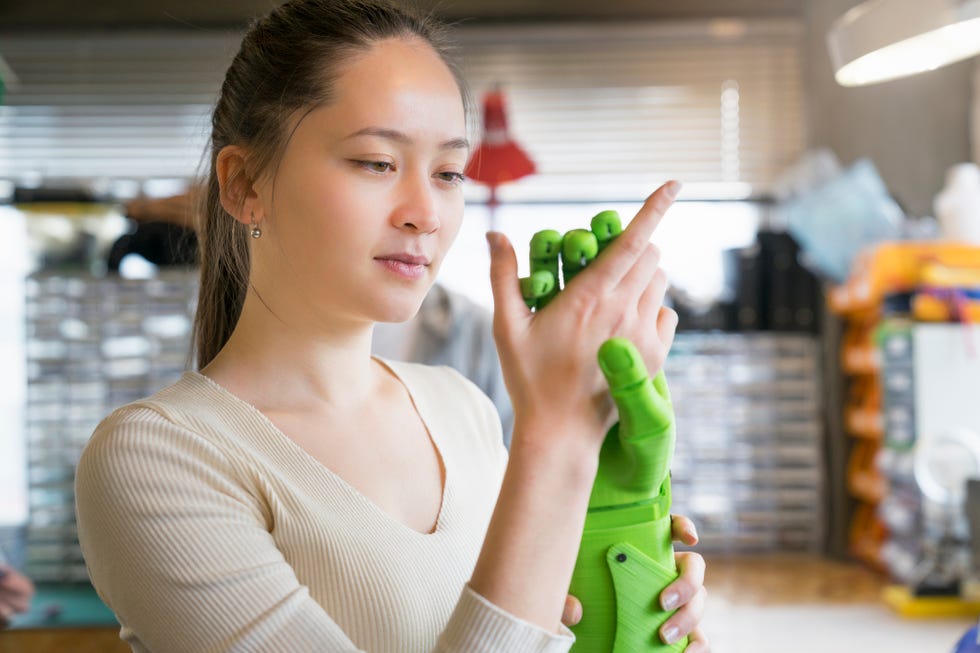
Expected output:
(881, 40)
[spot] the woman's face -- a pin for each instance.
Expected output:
(367, 197)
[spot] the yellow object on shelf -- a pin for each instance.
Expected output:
(896, 267)
(70, 209)
(945, 276)
(930, 308)
(906, 604)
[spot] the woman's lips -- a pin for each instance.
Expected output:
(406, 266)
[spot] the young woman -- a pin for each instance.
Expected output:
(296, 494)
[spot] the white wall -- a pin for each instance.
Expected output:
(913, 129)
(975, 131)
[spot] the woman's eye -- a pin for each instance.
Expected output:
(376, 166)
(452, 177)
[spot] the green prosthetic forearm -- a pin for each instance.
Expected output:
(626, 557)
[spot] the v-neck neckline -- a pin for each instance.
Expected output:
(309, 459)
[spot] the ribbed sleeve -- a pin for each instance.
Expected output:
(204, 528)
(479, 626)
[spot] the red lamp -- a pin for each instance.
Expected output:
(498, 159)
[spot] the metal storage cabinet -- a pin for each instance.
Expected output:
(93, 344)
(748, 466)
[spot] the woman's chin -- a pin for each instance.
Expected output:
(400, 312)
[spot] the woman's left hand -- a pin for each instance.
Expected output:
(686, 594)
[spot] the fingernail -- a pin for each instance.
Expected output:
(670, 634)
(673, 188)
(692, 533)
(669, 600)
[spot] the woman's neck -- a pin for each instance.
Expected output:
(289, 364)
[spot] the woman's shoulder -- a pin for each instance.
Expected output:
(168, 402)
(175, 415)
(146, 446)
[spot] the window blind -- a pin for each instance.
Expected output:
(107, 106)
(606, 111)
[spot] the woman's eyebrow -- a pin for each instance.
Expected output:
(400, 137)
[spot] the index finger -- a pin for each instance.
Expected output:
(620, 256)
(690, 567)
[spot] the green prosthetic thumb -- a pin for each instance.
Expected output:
(636, 454)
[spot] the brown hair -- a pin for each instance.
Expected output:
(287, 64)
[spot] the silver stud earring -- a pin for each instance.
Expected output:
(255, 232)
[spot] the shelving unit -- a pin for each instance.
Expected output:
(93, 344)
(891, 305)
(748, 466)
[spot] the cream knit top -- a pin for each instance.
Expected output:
(205, 528)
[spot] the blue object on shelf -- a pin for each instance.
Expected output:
(839, 218)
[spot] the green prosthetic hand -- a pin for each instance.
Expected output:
(626, 557)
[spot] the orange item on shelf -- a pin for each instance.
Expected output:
(867, 535)
(865, 481)
(863, 416)
(931, 307)
(859, 353)
(948, 294)
(895, 267)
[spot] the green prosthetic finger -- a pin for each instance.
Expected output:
(538, 285)
(621, 364)
(646, 427)
(578, 248)
(545, 248)
(606, 226)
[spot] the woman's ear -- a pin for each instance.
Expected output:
(238, 196)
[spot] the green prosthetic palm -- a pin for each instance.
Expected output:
(626, 557)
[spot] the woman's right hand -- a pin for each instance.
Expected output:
(549, 357)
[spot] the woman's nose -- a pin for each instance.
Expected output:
(417, 206)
